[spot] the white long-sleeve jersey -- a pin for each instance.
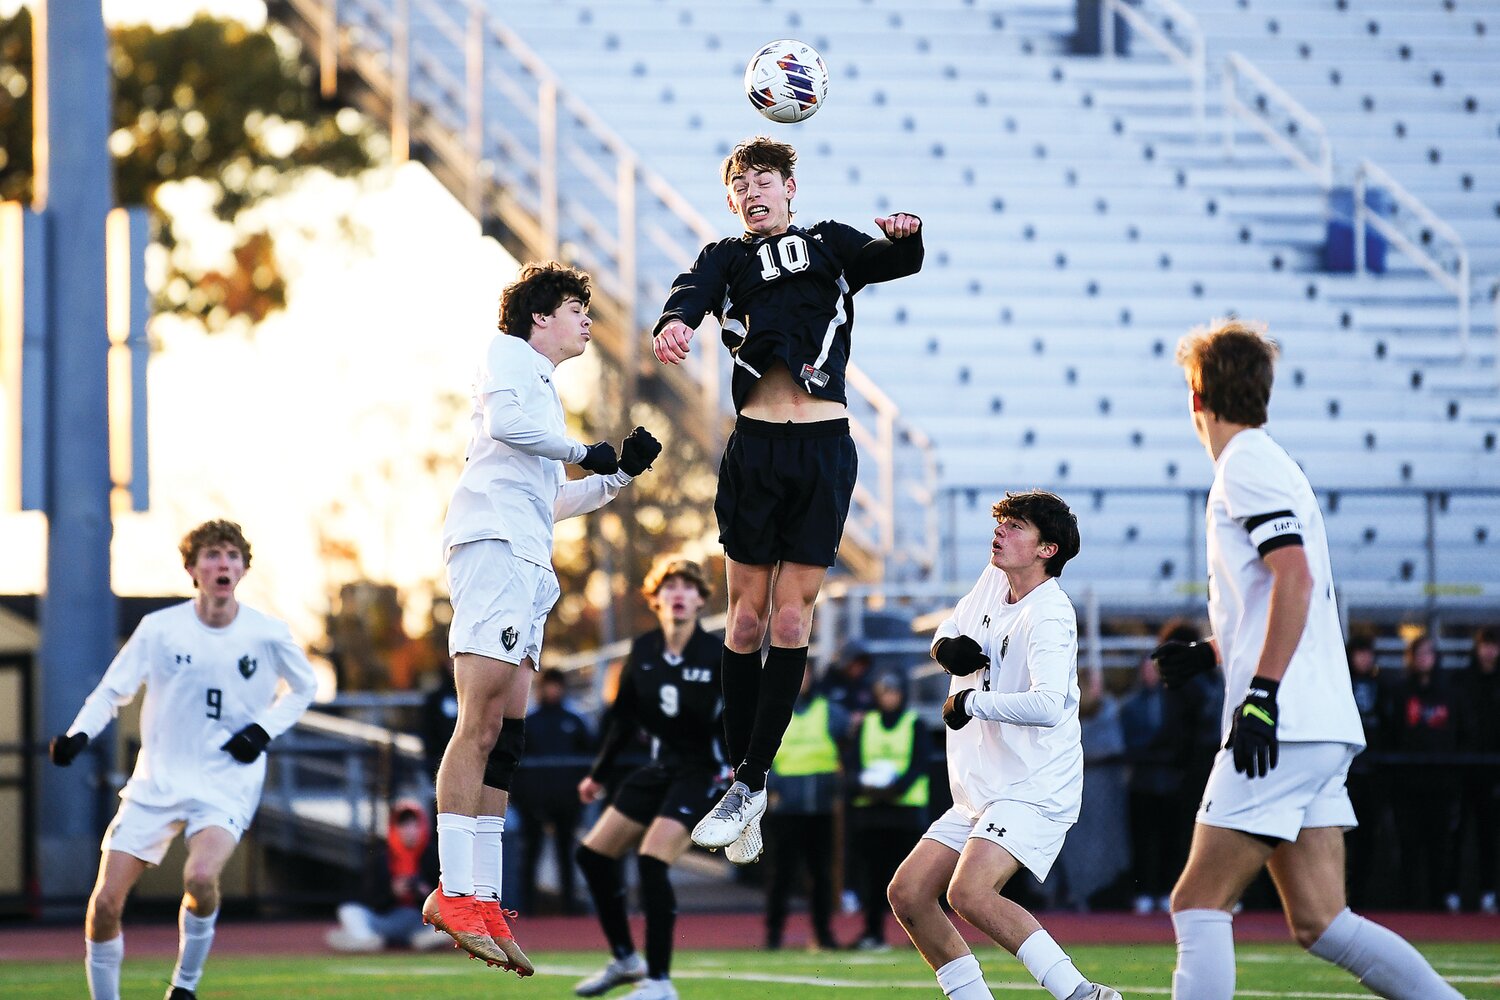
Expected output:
(513, 485)
(203, 685)
(1024, 744)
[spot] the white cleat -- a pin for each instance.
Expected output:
(745, 849)
(1102, 993)
(653, 989)
(727, 820)
(619, 972)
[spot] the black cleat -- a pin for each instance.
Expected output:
(179, 993)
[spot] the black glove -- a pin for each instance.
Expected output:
(600, 458)
(1252, 730)
(956, 709)
(1180, 662)
(638, 452)
(960, 656)
(64, 748)
(247, 744)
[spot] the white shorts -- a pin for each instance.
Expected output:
(1027, 835)
(1305, 790)
(146, 832)
(500, 602)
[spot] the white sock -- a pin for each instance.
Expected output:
(195, 936)
(488, 836)
(1380, 959)
(456, 853)
(1205, 955)
(102, 960)
(1050, 965)
(962, 979)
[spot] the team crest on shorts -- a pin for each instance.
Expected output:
(247, 667)
(509, 637)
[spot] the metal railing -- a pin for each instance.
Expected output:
(1175, 33)
(1300, 124)
(496, 126)
(1429, 229)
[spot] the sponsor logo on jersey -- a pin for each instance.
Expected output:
(998, 831)
(702, 674)
(247, 667)
(185, 658)
(816, 376)
(508, 638)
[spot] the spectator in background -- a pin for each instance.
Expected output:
(544, 792)
(403, 871)
(1427, 797)
(847, 683)
(1367, 789)
(439, 717)
(1096, 856)
(1480, 733)
(799, 830)
(888, 772)
(1155, 743)
(1193, 711)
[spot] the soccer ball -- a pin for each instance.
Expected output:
(786, 81)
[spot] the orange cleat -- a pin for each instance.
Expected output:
(499, 929)
(459, 917)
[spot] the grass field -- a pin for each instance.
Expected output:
(1136, 970)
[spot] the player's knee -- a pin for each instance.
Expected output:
(1307, 928)
(744, 628)
(901, 898)
(201, 883)
(789, 625)
(510, 744)
(967, 898)
(106, 907)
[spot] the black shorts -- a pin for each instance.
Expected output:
(685, 793)
(784, 491)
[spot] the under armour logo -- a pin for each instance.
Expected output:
(985, 622)
(184, 657)
(998, 831)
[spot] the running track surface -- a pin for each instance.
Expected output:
(703, 931)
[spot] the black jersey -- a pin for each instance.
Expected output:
(789, 299)
(676, 700)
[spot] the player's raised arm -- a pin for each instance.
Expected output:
(695, 293)
(896, 254)
(116, 689)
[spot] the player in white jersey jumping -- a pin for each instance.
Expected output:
(213, 669)
(498, 542)
(1276, 794)
(1015, 760)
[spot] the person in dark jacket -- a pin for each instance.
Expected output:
(1368, 786)
(1427, 797)
(1479, 732)
(558, 741)
(888, 777)
(1155, 744)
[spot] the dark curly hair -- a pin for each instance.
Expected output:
(540, 288)
(218, 532)
(759, 153)
(1054, 522)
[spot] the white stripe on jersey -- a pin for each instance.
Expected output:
(839, 316)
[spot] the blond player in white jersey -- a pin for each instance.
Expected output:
(498, 544)
(222, 680)
(1276, 795)
(1015, 760)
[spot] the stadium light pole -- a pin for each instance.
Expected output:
(74, 193)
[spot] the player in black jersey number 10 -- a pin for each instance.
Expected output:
(784, 299)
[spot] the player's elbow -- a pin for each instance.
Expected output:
(1047, 709)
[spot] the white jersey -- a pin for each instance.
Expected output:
(203, 685)
(1259, 502)
(1024, 744)
(513, 485)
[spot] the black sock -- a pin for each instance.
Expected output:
(660, 903)
(739, 679)
(780, 682)
(603, 877)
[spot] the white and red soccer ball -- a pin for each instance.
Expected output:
(787, 81)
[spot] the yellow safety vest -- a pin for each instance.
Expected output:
(807, 748)
(893, 745)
